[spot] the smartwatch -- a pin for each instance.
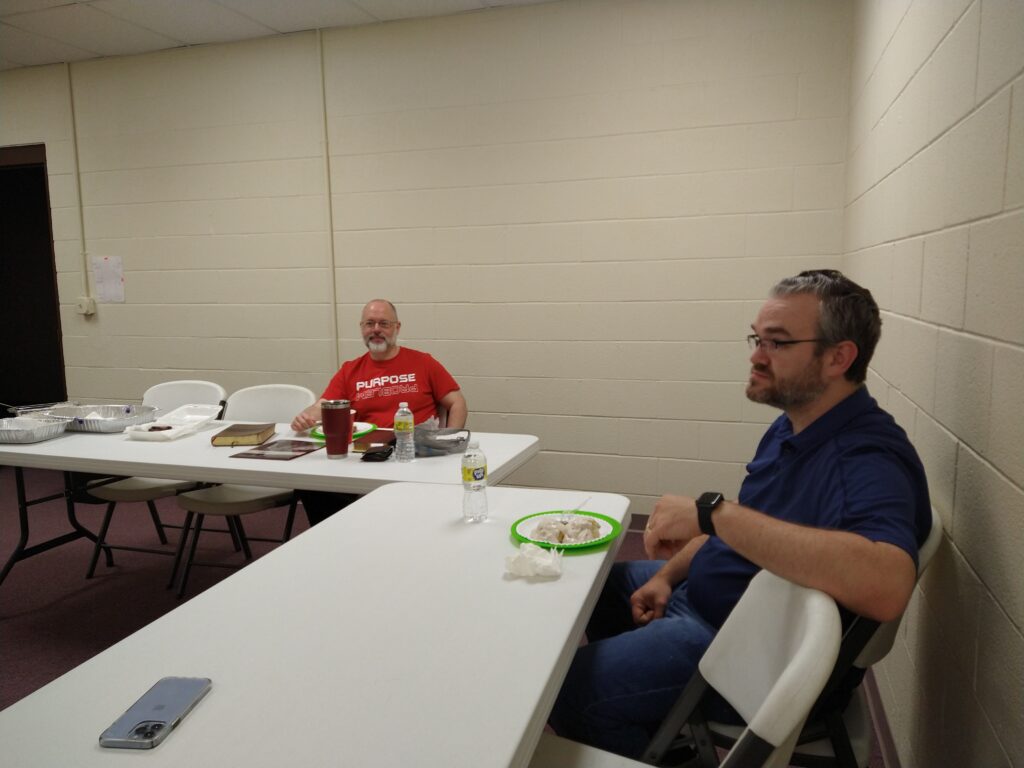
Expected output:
(706, 504)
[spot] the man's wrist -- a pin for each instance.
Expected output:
(707, 503)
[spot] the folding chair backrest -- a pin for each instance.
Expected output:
(773, 655)
(174, 394)
(268, 402)
(881, 642)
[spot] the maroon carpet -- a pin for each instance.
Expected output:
(52, 618)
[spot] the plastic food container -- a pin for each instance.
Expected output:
(102, 418)
(180, 422)
(25, 429)
(186, 415)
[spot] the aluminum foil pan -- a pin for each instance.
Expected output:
(103, 418)
(29, 410)
(23, 429)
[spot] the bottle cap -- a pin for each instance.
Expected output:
(403, 405)
(474, 443)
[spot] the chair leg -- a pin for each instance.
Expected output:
(290, 521)
(235, 524)
(235, 541)
(841, 746)
(191, 555)
(157, 522)
(185, 527)
(704, 744)
(101, 537)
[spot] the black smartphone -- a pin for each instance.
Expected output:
(148, 721)
(379, 454)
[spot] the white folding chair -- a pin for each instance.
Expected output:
(843, 739)
(165, 397)
(838, 732)
(770, 660)
(277, 403)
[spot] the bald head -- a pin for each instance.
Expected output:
(379, 325)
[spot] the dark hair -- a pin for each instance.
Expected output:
(848, 313)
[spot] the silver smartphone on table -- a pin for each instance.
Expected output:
(148, 721)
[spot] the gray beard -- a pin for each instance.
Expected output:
(378, 347)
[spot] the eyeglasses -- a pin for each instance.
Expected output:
(382, 324)
(774, 345)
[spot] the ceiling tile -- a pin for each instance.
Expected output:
(297, 16)
(390, 10)
(91, 29)
(50, 31)
(27, 49)
(191, 21)
(7, 7)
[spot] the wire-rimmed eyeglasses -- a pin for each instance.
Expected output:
(382, 324)
(774, 345)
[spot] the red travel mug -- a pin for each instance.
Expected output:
(337, 426)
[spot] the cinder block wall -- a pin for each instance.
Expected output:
(577, 207)
(935, 226)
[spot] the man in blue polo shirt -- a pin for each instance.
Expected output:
(835, 498)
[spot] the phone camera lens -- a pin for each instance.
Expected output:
(158, 726)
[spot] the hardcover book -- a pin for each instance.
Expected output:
(244, 434)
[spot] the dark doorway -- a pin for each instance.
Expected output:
(30, 335)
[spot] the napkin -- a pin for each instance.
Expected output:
(532, 560)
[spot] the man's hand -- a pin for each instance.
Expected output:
(307, 418)
(648, 603)
(672, 524)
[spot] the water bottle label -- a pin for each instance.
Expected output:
(403, 426)
(474, 474)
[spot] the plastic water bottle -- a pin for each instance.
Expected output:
(474, 483)
(405, 448)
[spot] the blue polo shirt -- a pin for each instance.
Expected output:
(852, 469)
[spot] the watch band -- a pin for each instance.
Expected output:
(706, 504)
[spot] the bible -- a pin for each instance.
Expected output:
(244, 434)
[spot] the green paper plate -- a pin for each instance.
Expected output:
(359, 429)
(522, 527)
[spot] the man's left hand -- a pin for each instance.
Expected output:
(672, 524)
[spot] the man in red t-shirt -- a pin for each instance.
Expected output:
(376, 383)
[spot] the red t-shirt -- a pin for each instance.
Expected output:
(376, 388)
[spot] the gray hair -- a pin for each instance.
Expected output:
(848, 313)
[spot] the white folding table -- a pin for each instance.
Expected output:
(194, 458)
(386, 636)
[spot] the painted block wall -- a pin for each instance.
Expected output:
(577, 207)
(934, 225)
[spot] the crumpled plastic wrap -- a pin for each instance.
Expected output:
(532, 562)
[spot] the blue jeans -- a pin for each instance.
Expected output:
(624, 681)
